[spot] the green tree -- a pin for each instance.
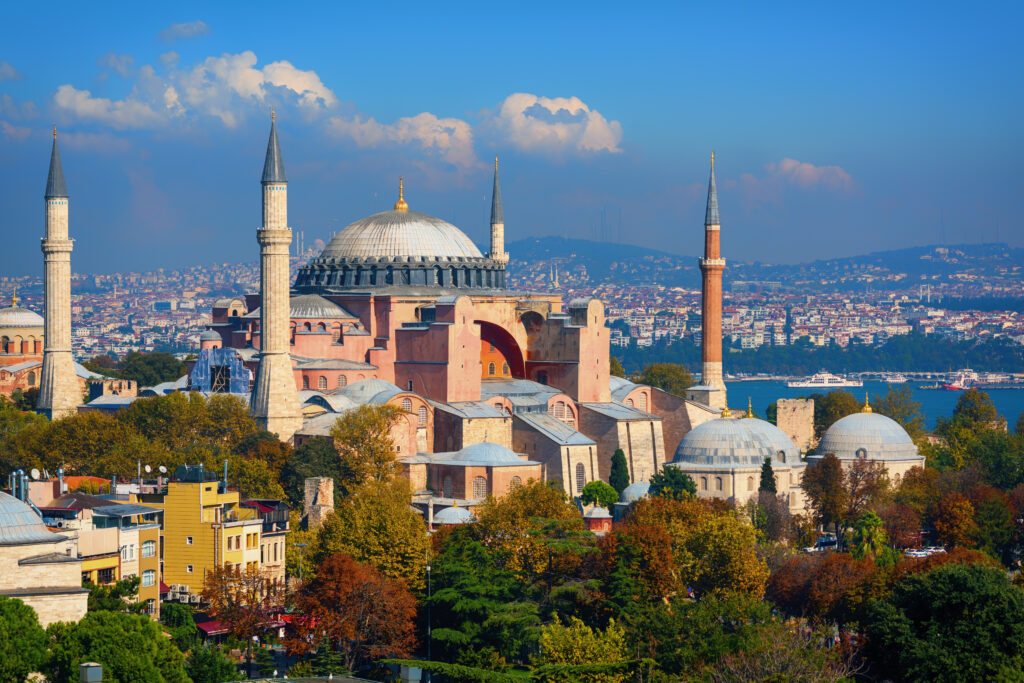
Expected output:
(206, 664)
(995, 528)
(1020, 424)
(362, 437)
(575, 652)
(149, 369)
(954, 623)
(599, 492)
(180, 624)
(767, 484)
(254, 478)
(619, 477)
(672, 482)
(130, 647)
(121, 596)
(824, 486)
(376, 526)
(181, 421)
(670, 377)
(869, 536)
(22, 641)
(615, 367)
(316, 457)
(899, 405)
(831, 407)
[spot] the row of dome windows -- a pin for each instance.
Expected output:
(750, 482)
(479, 486)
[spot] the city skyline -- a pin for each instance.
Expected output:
(162, 128)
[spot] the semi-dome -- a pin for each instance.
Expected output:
(16, 316)
(454, 515)
(635, 491)
(869, 435)
(20, 525)
(728, 443)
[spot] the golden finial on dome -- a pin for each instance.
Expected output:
(14, 297)
(400, 205)
(726, 412)
(867, 405)
(712, 158)
(495, 162)
(750, 408)
(55, 132)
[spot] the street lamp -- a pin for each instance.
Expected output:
(301, 547)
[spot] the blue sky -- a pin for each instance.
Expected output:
(838, 130)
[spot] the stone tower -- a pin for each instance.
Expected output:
(59, 392)
(497, 223)
(275, 401)
(711, 267)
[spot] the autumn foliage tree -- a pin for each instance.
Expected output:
(245, 600)
(354, 609)
(954, 520)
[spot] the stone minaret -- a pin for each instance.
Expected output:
(275, 400)
(497, 223)
(59, 391)
(711, 266)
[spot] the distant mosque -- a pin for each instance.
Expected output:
(497, 386)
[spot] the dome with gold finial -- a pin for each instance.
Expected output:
(18, 316)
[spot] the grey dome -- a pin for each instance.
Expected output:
(370, 390)
(16, 316)
(309, 306)
(635, 491)
(209, 335)
(454, 515)
(401, 234)
(488, 454)
(874, 436)
(597, 512)
(729, 443)
(20, 525)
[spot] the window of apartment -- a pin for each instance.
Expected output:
(148, 578)
(275, 552)
(253, 541)
(151, 606)
(106, 575)
(188, 540)
(188, 569)
(148, 548)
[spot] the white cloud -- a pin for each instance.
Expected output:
(552, 124)
(191, 29)
(119, 64)
(16, 133)
(8, 72)
(13, 109)
(169, 59)
(120, 114)
(95, 142)
(808, 175)
(449, 138)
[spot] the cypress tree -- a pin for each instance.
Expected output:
(619, 477)
(767, 478)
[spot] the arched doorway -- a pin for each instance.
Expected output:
(499, 347)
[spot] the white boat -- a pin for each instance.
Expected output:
(825, 380)
(895, 378)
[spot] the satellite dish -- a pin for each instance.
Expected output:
(148, 469)
(163, 470)
(34, 473)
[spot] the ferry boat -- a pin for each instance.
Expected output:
(960, 382)
(825, 380)
(895, 378)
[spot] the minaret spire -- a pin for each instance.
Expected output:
(711, 214)
(59, 393)
(497, 222)
(275, 400)
(711, 267)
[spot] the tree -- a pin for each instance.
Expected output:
(899, 405)
(953, 623)
(179, 622)
(362, 437)
(672, 482)
(954, 520)
(576, 652)
(121, 596)
(615, 368)
(767, 484)
(823, 485)
(1020, 424)
(149, 369)
(245, 600)
(22, 641)
(902, 525)
(316, 457)
(831, 407)
(180, 421)
(725, 558)
(376, 526)
(599, 492)
(869, 538)
(670, 377)
(994, 525)
(130, 647)
(254, 478)
(778, 652)
(206, 664)
(354, 609)
(619, 477)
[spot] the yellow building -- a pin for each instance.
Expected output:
(205, 526)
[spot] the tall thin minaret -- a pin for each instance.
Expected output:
(497, 223)
(275, 400)
(59, 392)
(711, 266)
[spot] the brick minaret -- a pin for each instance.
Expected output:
(711, 266)
(498, 252)
(275, 400)
(59, 392)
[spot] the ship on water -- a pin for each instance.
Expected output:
(961, 381)
(824, 380)
(895, 378)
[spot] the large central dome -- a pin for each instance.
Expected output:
(401, 234)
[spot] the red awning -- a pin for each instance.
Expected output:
(212, 628)
(164, 588)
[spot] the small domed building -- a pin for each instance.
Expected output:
(874, 437)
(21, 347)
(724, 458)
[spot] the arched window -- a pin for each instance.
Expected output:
(407, 405)
(515, 483)
(321, 383)
(421, 416)
(305, 382)
(491, 369)
(479, 487)
(718, 483)
(862, 452)
(148, 548)
(342, 381)
(307, 327)
(31, 378)
(149, 578)
(629, 402)
(703, 483)
(581, 477)
(447, 487)
(504, 369)
(322, 327)
(643, 401)
(750, 483)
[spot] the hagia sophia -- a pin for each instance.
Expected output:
(497, 386)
